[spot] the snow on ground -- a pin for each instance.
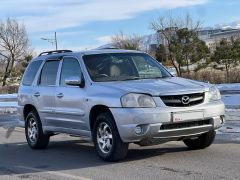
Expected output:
(230, 95)
(8, 111)
(8, 104)
(232, 124)
(229, 87)
(231, 101)
(231, 98)
(5, 96)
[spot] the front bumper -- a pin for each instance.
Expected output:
(152, 119)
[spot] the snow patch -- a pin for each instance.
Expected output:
(229, 87)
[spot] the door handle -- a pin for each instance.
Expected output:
(60, 95)
(36, 94)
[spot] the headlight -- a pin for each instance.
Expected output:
(137, 100)
(214, 94)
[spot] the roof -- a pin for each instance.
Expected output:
(45, 56)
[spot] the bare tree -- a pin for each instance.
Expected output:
(167, 27)
(14, 45)
(133, 42)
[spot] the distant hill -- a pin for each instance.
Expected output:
(232, 25)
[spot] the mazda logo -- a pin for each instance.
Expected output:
(185, 100)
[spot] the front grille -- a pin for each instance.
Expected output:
(177, 100)
(185, 124)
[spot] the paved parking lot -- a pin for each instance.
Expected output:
(70, 158)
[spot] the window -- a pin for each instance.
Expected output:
(123, 67)
(70, 68)
(49, 73)
(31, 73)
(146, 68)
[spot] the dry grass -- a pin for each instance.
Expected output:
(8, 89)
(215, 76)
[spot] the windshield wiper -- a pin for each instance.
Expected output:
(131, 78)
(158, 77)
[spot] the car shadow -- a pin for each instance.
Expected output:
(66, 155)
(70, 154)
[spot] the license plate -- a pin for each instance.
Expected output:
(186, 116)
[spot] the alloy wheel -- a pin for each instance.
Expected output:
(32, 130)
(104, 137)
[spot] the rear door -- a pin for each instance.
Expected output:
(44, 92)
(70, 100)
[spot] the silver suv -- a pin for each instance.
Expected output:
(113, 98)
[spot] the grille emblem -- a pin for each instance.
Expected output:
(185, 100)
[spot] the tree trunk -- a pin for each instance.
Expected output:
(180, 72)
(6, 74)
(227, 74)
(8, 70)
(174, 64)
(188, 71)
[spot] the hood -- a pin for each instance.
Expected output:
(157, 87)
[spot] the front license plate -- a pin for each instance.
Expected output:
(186, 116)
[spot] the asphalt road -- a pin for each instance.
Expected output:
(70, 158)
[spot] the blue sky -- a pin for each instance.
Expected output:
(85, 24)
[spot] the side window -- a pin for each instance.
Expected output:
(70, 68)
(31, 72)
(49, 73)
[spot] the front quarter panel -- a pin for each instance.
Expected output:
(102, 95)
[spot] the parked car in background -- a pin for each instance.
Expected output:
(112, 98)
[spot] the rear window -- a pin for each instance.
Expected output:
(31, 73)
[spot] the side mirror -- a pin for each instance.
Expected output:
(75, 81)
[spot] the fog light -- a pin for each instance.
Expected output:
(138, 130)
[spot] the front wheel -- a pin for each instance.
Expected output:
(201, 142)
(107, 141)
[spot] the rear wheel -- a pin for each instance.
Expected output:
(107, 141)
(203, 141)
(34, 134)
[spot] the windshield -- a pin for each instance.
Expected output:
(123, 66)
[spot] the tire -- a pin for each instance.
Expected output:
(105, 132)
(33, 130)
(203, 141)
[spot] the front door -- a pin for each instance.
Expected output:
(70, 100)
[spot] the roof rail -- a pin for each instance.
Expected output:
(54, 52)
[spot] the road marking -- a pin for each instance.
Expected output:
(53, 173)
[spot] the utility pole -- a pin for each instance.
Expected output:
(53, 41)
(56, 43)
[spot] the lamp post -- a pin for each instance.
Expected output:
(53, 41)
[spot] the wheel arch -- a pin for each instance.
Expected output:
(28, 108)
(95, 110)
